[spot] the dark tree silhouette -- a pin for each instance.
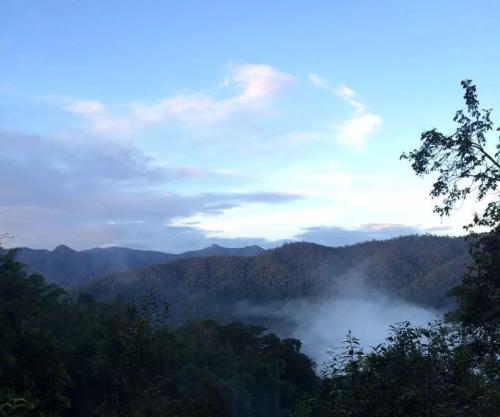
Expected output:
(466, 162)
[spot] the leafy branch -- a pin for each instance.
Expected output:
(463, 161)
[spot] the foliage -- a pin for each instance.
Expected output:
(30, 355)
(417, 372)
(478, 296)
(465, 161)
(75, 357)
(420, 269)
(14, 406)
(449, 368)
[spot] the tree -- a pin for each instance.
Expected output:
(32, 375)
(450, 367)
(62, 356)
(417, 372)
(467, 161)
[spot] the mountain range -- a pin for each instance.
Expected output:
(69, 268)
(418, 269)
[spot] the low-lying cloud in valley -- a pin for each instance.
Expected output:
(322, 323)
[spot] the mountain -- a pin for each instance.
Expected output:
(67, 267)
(216, 250)
(420, 269)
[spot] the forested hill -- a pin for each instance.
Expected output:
(67, 267)
(417, 268)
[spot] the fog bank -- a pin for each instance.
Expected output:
(323, 324)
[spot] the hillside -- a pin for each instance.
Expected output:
(67, 267)
(420, 269)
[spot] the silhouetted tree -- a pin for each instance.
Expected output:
(466, 161)
(449, 368)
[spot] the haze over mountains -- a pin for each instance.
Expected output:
(416, 268)
(313, 292)
(68, 268)
(419, 269)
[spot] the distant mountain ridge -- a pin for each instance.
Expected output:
(67, 267)
(419, 269)
(216, 250)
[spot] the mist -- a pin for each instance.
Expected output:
(322, 323)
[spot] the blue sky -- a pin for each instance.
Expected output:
(174, 125)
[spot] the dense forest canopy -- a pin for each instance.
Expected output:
(74, 357)
(417, 269)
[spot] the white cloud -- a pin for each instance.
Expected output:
(348, 94)
(86, 107)
(345, 92)
(320, 82)
(257, 220)
(342, 91)
(111, 124)
(353, 132)
(258, 84)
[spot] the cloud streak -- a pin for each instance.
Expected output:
(256, 84)
(340, 236)
(319, 82)
(353, 132)
(85, 107)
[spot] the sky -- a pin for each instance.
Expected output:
(173, 125)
